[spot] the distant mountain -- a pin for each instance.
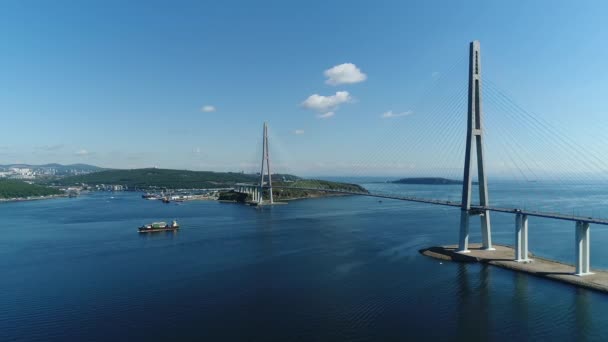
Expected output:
(167, 178)
(58, 167)
(428, 180)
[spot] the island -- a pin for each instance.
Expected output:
(428, 180)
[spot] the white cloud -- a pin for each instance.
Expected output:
(390, 114)
(326, 115)
(326, 104)
(82, 152)
(208, 109)
(298, 132)
(346, 73)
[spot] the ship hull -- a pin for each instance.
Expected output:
(155, 230)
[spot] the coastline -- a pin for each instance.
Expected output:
(285, 200)
(32, 198)
(316, 197)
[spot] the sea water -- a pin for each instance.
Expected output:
(336, 268)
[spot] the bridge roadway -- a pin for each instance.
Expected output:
(556, 216)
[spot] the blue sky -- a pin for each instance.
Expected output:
(123, 85)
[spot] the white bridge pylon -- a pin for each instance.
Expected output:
(257, 191)
(265, 160)
(474, 137)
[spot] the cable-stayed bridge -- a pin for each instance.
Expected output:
(475, 147)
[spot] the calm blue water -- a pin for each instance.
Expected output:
(329, 269)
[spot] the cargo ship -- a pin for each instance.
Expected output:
(150, 196)
(158, 227)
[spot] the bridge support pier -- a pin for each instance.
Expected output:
(486, 235)
(463, 243)
(583, 240)
(486, 231)
(521, 238)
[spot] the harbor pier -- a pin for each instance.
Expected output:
(506, 257)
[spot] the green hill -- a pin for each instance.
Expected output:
(323, 184)
(11, 188)
(165, 178)
(183, 179)
(283, 194)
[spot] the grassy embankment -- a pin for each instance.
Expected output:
(14, 189)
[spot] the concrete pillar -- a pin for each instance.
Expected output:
(521, 238)
(463, 243)
(582, 248)
(486, 232)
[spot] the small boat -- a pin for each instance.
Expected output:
(158, 227)
(166, 200)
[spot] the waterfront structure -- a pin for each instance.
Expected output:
(521, 238)
(474, 137)
(265, 160)
(257, 191)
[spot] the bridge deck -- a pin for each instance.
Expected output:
(556, 216)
